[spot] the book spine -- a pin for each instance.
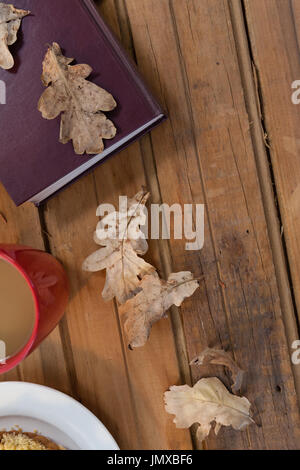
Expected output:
(122, 55)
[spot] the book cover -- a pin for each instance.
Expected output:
(33, 163)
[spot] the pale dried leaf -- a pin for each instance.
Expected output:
(124, 270)
(122, 240)
(78, 101)
(208, 401)
(125, 224)
(178, 287)
(10, 22)
(151, 303)
(222, 358)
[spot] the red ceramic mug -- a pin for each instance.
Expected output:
(49, 286)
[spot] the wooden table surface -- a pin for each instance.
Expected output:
(223, 70)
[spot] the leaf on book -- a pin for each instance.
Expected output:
(220, 357)
(79, 102)
(122, 240)
(149, 305)
(208, 401)
(10, 22)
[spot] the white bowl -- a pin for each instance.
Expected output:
(54, 415)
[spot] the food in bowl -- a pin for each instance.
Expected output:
(19, 440)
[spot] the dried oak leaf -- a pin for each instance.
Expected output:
(222, 358)
(122, 241)
(206, 402)
(126, 223)
(78, 101)
(151, 303)
(10, 22)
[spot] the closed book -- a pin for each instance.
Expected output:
(34, 165)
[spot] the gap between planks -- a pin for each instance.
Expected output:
(272, 214)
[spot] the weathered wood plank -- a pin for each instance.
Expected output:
(257, 131)
(274, 30)
(205, 151)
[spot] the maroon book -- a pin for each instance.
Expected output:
(34, 165)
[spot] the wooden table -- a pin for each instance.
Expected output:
(223, 70)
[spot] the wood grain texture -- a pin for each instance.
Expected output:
(276, 25)
(204, 155)
(187, 52)
(264, 170)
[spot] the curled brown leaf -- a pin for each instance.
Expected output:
(222, 358)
